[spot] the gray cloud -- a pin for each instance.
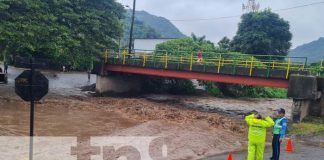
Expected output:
(306, 23)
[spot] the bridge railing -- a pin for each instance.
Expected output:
(232, 63)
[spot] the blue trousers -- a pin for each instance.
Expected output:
(276, 147)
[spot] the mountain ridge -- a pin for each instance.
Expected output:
(159, 24)
(314, 51)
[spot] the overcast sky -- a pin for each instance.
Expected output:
(306, 24)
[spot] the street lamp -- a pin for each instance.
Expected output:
(131, 29)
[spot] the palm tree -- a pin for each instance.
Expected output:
(198, 39)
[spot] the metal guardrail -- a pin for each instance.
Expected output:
(217, 60)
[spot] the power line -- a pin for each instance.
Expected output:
(236, 16)
(301, 6)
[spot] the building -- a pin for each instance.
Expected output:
(148, 45)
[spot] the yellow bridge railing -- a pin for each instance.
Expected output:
(217, 61)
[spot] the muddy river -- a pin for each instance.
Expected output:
(174, 127)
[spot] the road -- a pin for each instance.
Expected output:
(301, 152)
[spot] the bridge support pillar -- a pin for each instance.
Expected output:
(118, 84)
(307, 94)
(300, 109)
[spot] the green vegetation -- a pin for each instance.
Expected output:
(314, 51)
(262, 33)
(224, 44)
(310, 125)
(175, 86)
(160, 24)
(230, 90)
(189, 44)
(316, 69)
(148, 26)
(193, 44)
(141, 30)
(67, 32)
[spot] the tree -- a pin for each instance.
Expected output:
(66, 32)
(262, 33)
(197, 39)
(224, 44)
(189, 45)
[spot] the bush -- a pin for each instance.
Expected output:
(229, 90)
(212, 89)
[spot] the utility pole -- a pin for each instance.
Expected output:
(131, 29)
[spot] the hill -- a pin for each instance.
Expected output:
(141, 30)
(159, 24)
(149, 26)
(313, 50)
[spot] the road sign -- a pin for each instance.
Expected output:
(31, 86)
(38, 88)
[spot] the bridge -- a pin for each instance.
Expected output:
(232, 68)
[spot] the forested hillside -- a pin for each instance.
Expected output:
(314, 51)
(149, 26)
(160, 24)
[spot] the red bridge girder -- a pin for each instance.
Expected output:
(230, 79)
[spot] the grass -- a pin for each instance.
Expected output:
(311, 125)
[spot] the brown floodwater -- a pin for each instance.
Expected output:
(59, 121)
(192, 134)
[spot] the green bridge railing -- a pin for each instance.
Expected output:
(228, 63)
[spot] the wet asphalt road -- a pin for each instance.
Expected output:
(301, 152)
(62, 83)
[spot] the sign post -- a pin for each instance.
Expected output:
(31, 86)
(32, 109)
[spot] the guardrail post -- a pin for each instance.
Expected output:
(234, 63)
(191, 61)
(268, 67)
(180, 62)
(154, 59)
(204, 63)
(288, 68)
(144, 60)
(251, 66)
(166, 61)
(223, 61)
(219, 63)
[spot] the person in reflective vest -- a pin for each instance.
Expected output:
(278, 131)
(257, 135)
